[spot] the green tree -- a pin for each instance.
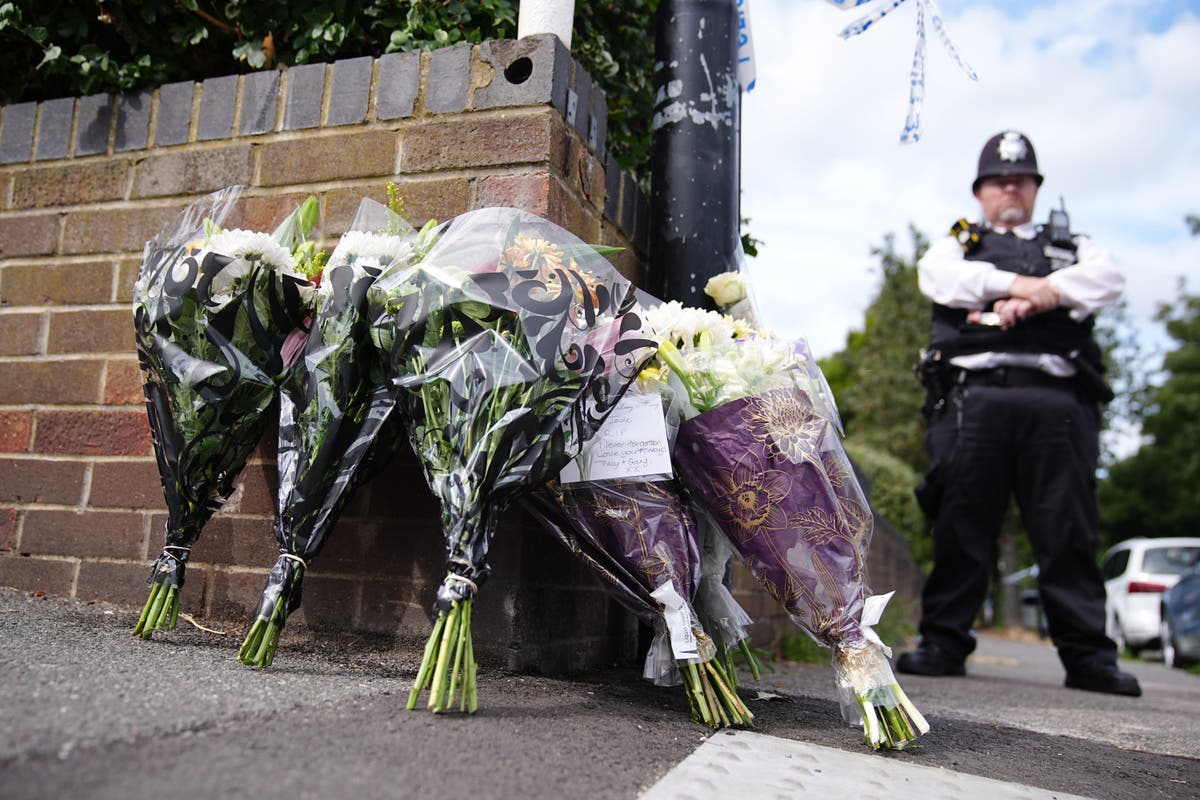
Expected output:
(872, 377)
(880, 399)
(1152, 492)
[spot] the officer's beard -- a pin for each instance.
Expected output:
(1012, 216)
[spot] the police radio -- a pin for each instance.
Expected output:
(1060, 224)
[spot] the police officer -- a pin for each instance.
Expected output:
(1013, 376)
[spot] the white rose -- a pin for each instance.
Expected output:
(726, 289)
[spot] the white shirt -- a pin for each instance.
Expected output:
(1085, 287)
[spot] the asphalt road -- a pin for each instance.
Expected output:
(86, 710)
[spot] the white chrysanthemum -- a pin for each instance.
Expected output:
(248, 249)
(370, 249)
(675, 322)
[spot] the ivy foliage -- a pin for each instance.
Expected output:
(67, 48)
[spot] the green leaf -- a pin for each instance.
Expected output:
(51, 54)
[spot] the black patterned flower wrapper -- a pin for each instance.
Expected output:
(336, 421)
(509, 343)
(214, 311)
(640, 538)
(773, 474)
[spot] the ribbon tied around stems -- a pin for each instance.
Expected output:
(916, 96)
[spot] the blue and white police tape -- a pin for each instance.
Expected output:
(916, 95)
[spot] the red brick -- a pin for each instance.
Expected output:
(50, 382)
(565, 211)
(107, 534)
(106, 331)
(255, 490)
(123, 383)
(20, 334)
(8, 529)
(328, 158)
(40, 480)
(35, 235)
(512, 137)
(114, 230)
(424, 199)
(397, 606)
(193, 171)
(235, 594)
(86, 283)
(127, 273)
(101, 433)
(37, 574)
(394, 546)
(15, 430)
(626, 261)
(578, 168)
(264, 213)
(73, 184)
(329, 603)
(241, 541)
(126, 484)
(530, 192)
(125, 584)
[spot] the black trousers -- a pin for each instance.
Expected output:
(1040, 443)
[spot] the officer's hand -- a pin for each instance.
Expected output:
(1012, 310)
(1038, 291)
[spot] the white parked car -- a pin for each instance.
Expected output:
(1136, 573)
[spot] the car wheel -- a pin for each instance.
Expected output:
(1168, 643)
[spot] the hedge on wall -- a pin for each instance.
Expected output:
(69, 49)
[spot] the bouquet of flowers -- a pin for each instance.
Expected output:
(216, 311)
(335, 418)
(631, 523)
(763, 455)
(509, 343)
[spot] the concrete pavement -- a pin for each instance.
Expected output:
(88, 710)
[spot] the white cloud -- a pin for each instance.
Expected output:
(1109, 104)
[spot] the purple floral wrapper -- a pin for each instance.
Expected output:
(637, 535)
(771, 471)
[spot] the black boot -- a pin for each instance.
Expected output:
(1105, 678)
(930, 659)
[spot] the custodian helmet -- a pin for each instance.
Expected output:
(1007, 153)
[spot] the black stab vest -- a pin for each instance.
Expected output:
(1049, 332)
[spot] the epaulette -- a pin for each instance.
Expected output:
(967, 235)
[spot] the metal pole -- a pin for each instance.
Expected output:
(694, 179)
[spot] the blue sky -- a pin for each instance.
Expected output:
(1108, 91)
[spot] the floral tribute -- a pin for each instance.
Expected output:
(335, 417)
(215, 309)
(508, 343)
(760, 447)
(639, 535)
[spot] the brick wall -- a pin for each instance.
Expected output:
(84, 182)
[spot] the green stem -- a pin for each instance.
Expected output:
(459, 646)
(730, 697)
(424, 673)
(436, 700)
(750, 659)
(470, 690)
(140, 629)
